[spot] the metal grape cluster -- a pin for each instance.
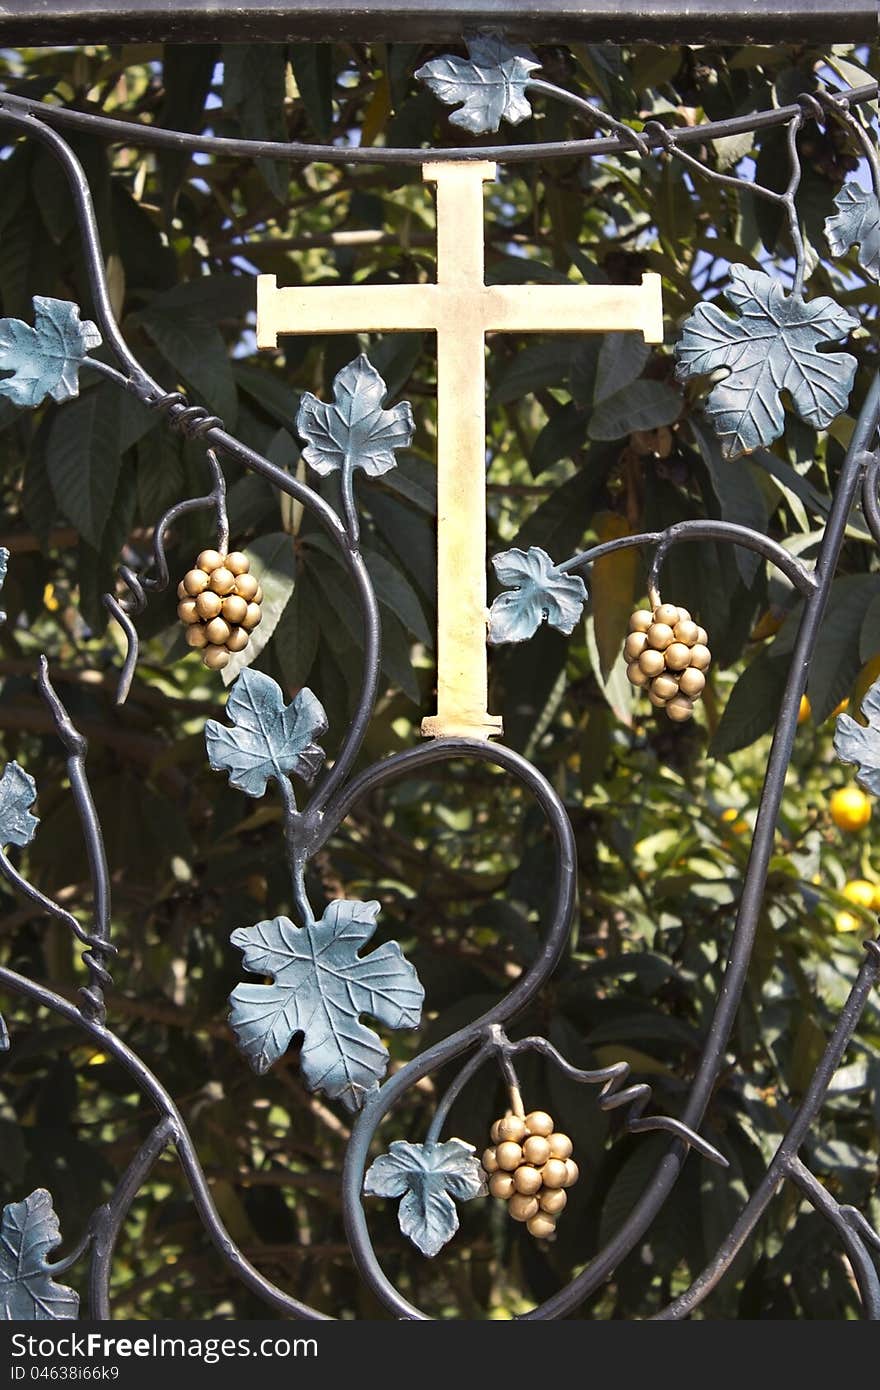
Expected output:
(667, 655)
(219, 606)
(529, 1166)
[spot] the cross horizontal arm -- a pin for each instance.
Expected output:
(493, 308)
(577, 308)
(343, 309)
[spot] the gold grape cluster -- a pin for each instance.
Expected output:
(219, 605)
(529, 1166)
(667, 654)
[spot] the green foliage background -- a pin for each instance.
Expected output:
(461, 863)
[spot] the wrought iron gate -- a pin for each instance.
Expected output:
(314, 965)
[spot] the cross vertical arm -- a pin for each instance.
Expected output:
(462, 661)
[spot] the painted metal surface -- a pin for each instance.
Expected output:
(416, 21)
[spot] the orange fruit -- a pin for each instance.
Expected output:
(860, 891)
(864, 680)
(847, 921)
(805, 709)
(850, 808)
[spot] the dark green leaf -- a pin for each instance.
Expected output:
(83, 459)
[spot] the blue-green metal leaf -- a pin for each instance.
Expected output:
(542, 593)
(490, 83)
(355, 431)
(320, 988)
(268, 738)
(859, 743)
(18, 791)
(45, 360)
(427, 1177)
(770, 346)
(4, 563)
(28, 1293)
(856, 223)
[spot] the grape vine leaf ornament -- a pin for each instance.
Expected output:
(427, 1177)
(490, 83)
(860, 744)
(856, 223)
(354, 431)
(538, 591)
(28, 1293)
(771, 345)
(18, 791)
(45, 360)
(267, 738)
(4, 562)
(320, 987)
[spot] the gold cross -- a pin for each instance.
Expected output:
(460, 308)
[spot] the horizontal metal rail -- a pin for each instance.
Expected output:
(424, 21)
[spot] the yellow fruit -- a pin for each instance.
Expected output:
(237, 640)
(847, 921)
(805, 710)
(850, 808)
(863, 682)
(860, 891)
(489, 1161)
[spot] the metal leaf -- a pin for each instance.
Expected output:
(860, 744)
(4, 562)
(354, 432)
(856, 223)
(320, 988)
(28, 1231)
(427, 1177)
(45, 360)
(490, 84)
(771, 346)
(268, 738)
(18, 791)
(542, 593)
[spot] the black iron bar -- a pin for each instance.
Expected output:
(761, 849)
(424, 21)
(786, 1153)
(153, 137)
(187, 1156)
